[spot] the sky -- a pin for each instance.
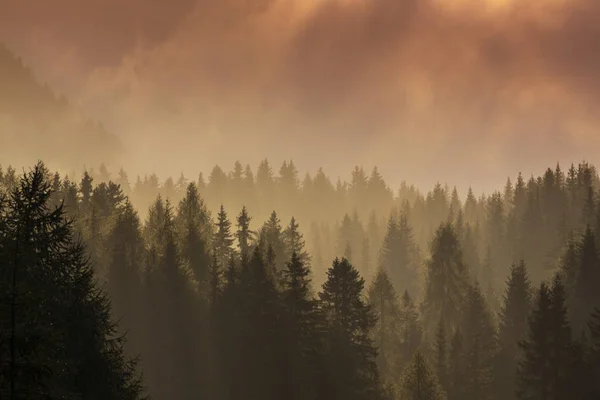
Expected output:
(459, 91)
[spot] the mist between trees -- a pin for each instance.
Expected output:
(256, 286)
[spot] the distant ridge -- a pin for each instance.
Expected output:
(35, 123)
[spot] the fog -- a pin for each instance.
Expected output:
(503, 86)
(271, 199)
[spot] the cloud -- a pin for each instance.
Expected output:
(490, 87)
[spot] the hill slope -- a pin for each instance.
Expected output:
(37, 124)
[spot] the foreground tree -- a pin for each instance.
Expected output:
(60, 340)
(302, 327)
(352, 373)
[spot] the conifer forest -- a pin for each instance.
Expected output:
(299, 200)
(264, 286)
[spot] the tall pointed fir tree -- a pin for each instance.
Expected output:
(194, 231)
(352, 373)
(410, 329)
(174, 319)
(59, 339)
(480, 346)
(512, 328)
(457, 368)
(397, 255)
(261, 341)
(244, 235)
(124, 279)
(594, 353)
(547, 359)
(302, 342)
(585, 292)
(223, 239)
(440, 353)
(271, 235)
(384, 303)
(447, 279)
(419, 381)
(294, 242)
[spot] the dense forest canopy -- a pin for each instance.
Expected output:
(264, 285)
(125, 273)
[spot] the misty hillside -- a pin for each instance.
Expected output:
(414, 296)
(35, 123)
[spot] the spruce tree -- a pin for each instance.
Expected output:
(410, 329)
(124, 279)
(294, 242)
(585, 290)
(173, 320)
(353, 372)
(244, 235)
(447, 279)
(457, 368)
(397, 254)
(223, 240)
(512, 328)
(545, 369)
(384, 303)
(60, 339)
(419, 381)
(302, 361)
(440, 354)
(261, 341)
(194, 231)
(480, 346)
(271, 235)
(594, 353)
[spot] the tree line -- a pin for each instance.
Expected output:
(490, 298)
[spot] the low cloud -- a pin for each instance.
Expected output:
(489, 87)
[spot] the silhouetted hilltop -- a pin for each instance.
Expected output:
(35, 123)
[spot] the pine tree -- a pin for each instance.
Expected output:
(215, 279)
(585, 289)
(271, 235)
(384, 303)
(547, 352)
(594, 352)
(419, 382)
(124, 280)
(172, 363)
(294, 242)
(302, 328)
(153, 231)
(223, 240)
(366, 257)
(410, 328)
(261, 345)
(244, 234)
(397, 254)
(446, 278)
(353, 371)
(513, 320)
(457, 368)
(60, 339)
(480, 346)
(194, 232)
(440, 351)
(86, 188)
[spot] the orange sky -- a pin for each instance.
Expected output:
(465, 91)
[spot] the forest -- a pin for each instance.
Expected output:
(269, 285)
